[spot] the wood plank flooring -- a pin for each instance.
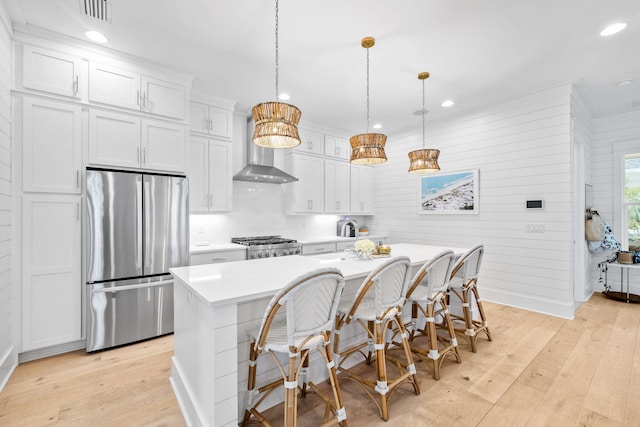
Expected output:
(538, 371)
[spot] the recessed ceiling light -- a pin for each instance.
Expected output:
(284, 97)
(447, 103)
(377, 126)
(613, 28)
(625, 82)
(96, 36)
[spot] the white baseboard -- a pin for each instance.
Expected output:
(186, 403)
(528, 302)
(8, 364)
(51, 351)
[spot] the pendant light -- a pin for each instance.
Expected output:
(368, 148)
(426, 159)
(276, 122)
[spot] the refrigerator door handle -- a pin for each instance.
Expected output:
(139, 223)
(129, 287)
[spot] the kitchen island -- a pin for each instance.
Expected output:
(216, 305)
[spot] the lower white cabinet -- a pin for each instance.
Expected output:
(307, 194)
(217, 257)
(52, 288)
(336, 187)
(209, 172)
(124, 140)
(361, 190)
(318, 248)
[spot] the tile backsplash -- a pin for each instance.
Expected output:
(258, 210)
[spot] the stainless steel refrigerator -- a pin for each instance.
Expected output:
(137, 227)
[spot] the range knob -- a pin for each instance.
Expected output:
(260, 254)
(277, 252)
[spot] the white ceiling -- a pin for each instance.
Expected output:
(478, 52)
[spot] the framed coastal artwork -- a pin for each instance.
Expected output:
(449, 193)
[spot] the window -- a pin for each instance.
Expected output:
(631, 201)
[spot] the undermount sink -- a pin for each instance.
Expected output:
(338, 256)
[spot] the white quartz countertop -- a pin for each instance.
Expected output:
(216, 247)
(233, 282)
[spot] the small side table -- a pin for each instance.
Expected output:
(622, 295)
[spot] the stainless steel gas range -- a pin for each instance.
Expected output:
(268, 246)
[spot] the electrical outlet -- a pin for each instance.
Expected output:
(201, 229)
(534, 228)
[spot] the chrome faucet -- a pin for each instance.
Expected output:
(343, 230)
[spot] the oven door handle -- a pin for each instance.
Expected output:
(130, 287)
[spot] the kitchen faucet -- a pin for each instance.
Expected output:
(344, 228)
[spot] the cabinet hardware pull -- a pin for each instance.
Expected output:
(138, 155)
(218, 259)
(76, 87)
(144, 155)
(78, 179)
(78, 212)
(138, 98)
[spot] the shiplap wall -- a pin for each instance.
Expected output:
(522, 150)
(607, 132)
(8, 353)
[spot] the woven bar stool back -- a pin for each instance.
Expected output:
(377, 308)
(310, 303)
(463, 285)
(429, 311)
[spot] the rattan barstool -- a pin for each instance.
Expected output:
(310, 304)
(377, 308)
(463, 284)
(427, 296)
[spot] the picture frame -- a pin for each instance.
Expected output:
(449, 193)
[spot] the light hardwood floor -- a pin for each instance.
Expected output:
(539, 370)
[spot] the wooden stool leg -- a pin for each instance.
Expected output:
(341, 414)
(372, 350)
(251, 383)
(290, 394)
(452, 333)
(304, 376)
(381, 369)
(411, 368)
(468, 319)
(433, 340)
(414, 320)
(483, 317)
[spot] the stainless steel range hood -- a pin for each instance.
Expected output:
(260, 164)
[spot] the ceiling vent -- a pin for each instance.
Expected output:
(98, 9)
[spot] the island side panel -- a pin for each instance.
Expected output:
(204, 365)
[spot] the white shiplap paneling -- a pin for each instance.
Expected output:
(522, 150)
(8, 348)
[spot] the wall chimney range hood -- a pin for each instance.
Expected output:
(260, 164)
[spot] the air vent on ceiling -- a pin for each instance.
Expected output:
(98, 9)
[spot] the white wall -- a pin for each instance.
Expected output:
(523, 151)
(8, 351)
(606, 134)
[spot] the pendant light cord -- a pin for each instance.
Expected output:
(277, 65)
(367, 90)
(424, 113)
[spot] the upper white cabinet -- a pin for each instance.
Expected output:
(51, 146)
(361, 189)
(128, 141)
(124, 88)
(311, 142)
(211, 120)
(336, 147)
(209, 173)
(52, 72)
(307, 194)
(51, 285)
(336, 186)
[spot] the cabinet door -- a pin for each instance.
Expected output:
(361, 189)
(220, 122)
(342, 188)
(51, 140)
(114, 86)
(50, 71)
(163, 146)
(343, 149)
(336, 186)
(308, 192)
(114, 139)
(220, 178)
(163, 98)
(51, 299)
(197, 172)
(312, 142)
(336, 147)
(199, 117)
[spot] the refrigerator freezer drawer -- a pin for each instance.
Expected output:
(128, 311)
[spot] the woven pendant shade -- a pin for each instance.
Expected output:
(368, 149)
(424, 161)
(276, 125)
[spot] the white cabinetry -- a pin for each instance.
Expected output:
(209, 172)
(361, 189)
(218, 256)
(336, 186)
(336, 147)
(124, 140)
(311, 142)
(52, 72)
(318, 248)
(128, 89)
(211, 120)
(51, 300)
(307, 195)
(51, 146)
